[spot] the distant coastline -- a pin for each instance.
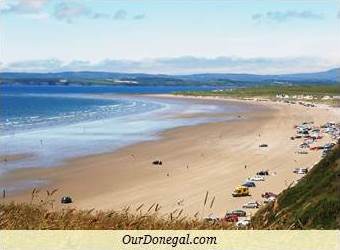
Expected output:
(132, 79)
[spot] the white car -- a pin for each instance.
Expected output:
(251, 204)
(270, 199)
(210, 218)
(242, 223)
(256, 178)
(300, 171)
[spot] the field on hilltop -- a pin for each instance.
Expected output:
(320, 93)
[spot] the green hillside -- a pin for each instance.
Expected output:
(314, 203)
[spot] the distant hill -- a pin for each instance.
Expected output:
(332, 75)
(314, 203)
(88, 77)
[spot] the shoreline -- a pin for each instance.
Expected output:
(96, 137)
(197, 159)
(19, 173)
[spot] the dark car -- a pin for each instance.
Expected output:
(157, 162)
(249, 184)
(239, 213)
(268, 194)
(263, 145)
(66, 200)
(263, 172)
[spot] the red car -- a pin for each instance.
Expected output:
(231, 217)
(268, 194)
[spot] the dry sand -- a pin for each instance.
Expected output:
(209, 157)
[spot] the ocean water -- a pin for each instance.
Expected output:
(53, 124)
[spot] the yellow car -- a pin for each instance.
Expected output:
(240, 191)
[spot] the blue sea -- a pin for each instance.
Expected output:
(54, 123)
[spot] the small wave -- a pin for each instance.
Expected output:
(84, 114)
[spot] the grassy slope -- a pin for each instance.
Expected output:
(314, 203)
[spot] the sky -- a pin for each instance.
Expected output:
(172, 37)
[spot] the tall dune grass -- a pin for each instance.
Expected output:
(41, 214)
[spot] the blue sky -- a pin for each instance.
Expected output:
(170, 36)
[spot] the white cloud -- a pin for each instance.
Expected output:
(120, 15)
(23, 6)
(63, 10)
(139, 17)
(282, 16)
(68, 11)
(37, 16)
(34, 65)
(179, 65)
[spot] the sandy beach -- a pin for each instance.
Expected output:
(197, 159)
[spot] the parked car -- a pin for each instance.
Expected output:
(243, 223)
(269, 199)
(157, 162)
(240, 191)
(66, 200)
(263, 145)
(231, 218)
(256, 178)
(268, 194)
(251, 204)
(211, 218)
(239, 213)
(263, 172)
(304, 145)
(249, 184)
(329, 145)
(302, 171)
